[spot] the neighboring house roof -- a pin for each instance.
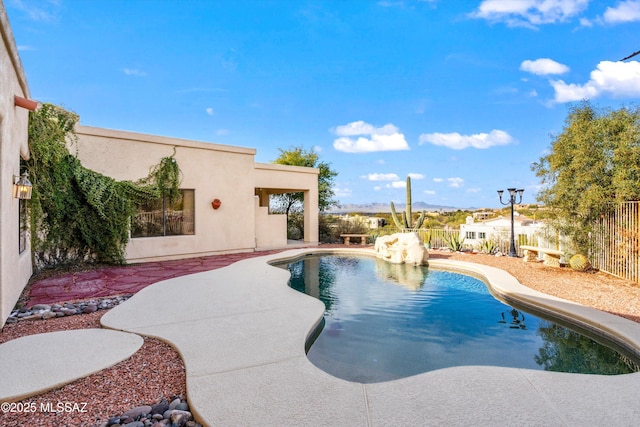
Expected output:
(506, 221)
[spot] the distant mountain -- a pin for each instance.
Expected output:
(385, 207)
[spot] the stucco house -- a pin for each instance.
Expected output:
(239, 220)
(224, 203)
(15, 252)
(499, 229)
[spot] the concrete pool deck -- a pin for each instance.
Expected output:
(241, 332)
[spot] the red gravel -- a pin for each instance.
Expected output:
(154, 372)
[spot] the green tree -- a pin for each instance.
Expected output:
(289, 203)
(592, 164)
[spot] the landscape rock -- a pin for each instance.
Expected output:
(49, 314)
(138, 411)
(402, 248)
(175, 402)
(182, 406)
(91, 308)
(170, 417)
(46, 311)
(36, 316)
(180, 418)
(159, 408)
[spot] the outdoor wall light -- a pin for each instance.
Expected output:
(215, 204)
(22, 186)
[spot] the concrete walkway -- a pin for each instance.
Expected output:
(241, 332)
(27, 366)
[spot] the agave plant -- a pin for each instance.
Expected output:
(454, 242)
(426, 238)
(488, 247)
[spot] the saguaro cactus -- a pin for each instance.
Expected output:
(407, 220)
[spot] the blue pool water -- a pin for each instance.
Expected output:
(385, 321)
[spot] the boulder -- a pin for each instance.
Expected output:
(401, 248)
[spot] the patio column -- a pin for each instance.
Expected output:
(311, 215)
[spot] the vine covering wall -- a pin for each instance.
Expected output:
(79, 215)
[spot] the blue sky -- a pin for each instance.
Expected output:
(461, 95)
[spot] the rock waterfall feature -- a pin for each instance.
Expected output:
(400, 248)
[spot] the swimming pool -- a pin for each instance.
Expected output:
(386, 321)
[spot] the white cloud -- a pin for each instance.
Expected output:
(397, 184)
(456, 182)
(416, 176)
(529, 13)
(459, 142)
(473, 190)
(617, 79)
(210, 111)
(223, 132)
(586, 22)
(342, 192)
(369, 138)
(24, 48)
(134, 72)
(430, 192)
(377, 188)
(438, 180)
(382, 177)
(42, 12)
(543, 66)
(626, 11)
(572, 92)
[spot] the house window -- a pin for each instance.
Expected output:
(470, 235)
(23, 225)
(482, 235)
(166, 217)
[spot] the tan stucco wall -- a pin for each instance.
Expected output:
(271, 229)
(276, 179)
(212, 170)
(15, 268)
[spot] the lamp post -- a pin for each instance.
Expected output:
(513, 193)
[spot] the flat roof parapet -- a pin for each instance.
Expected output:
(164, 140)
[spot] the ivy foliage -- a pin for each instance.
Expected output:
(79, 215)
(164, 177)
